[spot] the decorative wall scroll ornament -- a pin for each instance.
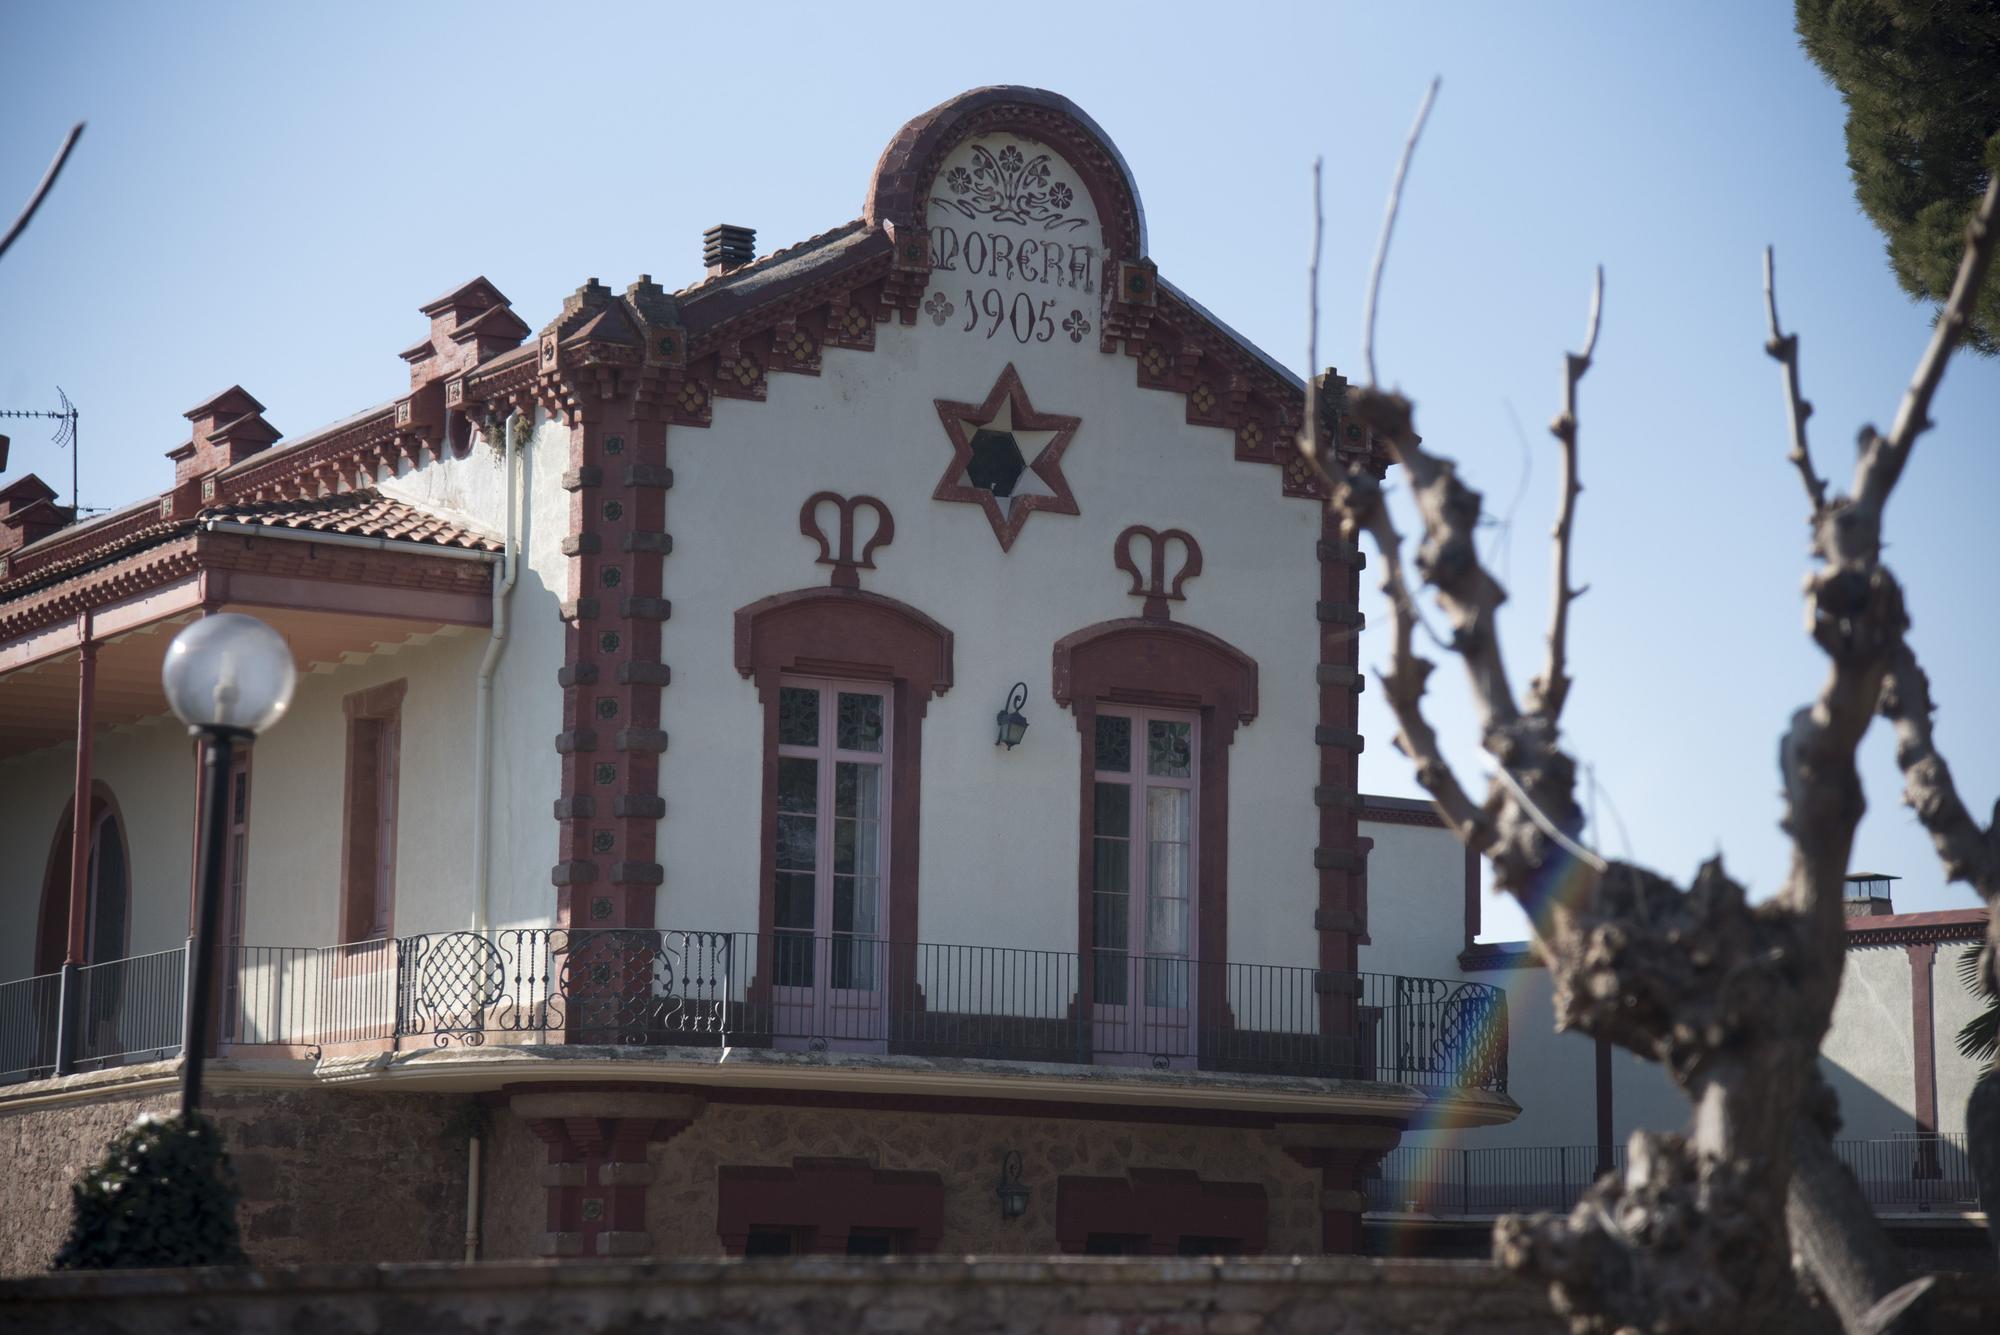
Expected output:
(939, 308)
(1010, 187)
(1153, 585)
(990, 457)
(846, 564)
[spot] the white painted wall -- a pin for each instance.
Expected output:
(999, 841)
(1415, 904)
(150, 770)
(1953, 1004)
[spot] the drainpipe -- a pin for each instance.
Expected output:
(472, 1198)
(69, 995)
(512, 447)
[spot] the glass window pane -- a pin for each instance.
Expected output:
(798, 716)
(1110, 978)
(1113, 816)
(798, 837)
(1166, 926)
(1168, 748)
(1166, 982)
(1113, 868)
(858, 726)
(798, 784)
(1114, 743)
(794, 908)
(1167, 814)
(857, 790)
(1109, 929)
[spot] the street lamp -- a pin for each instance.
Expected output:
(228, 677)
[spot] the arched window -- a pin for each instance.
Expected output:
(107, 882)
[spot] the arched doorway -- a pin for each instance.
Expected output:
(108, 883)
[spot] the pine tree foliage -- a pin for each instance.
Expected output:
(163, 1195)
(1921, 79)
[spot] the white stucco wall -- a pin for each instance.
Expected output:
(149, 769)
(999, 841)
(1415, 921)
(1867, 1055)
(1953, 1005)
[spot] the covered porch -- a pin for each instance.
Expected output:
(98, 909)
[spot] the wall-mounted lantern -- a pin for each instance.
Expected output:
(1012, 726)
(1013, 1195)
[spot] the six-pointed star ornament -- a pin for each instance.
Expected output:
(993, 444)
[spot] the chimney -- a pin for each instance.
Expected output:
(726, 247)
(1868, 894)
(29, 513)
(469, 324)
(228, 429)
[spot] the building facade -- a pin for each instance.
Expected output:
(856, 754)
(1889, 1055)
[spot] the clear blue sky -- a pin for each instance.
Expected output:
(267, 193)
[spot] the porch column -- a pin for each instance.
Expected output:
(1344, 1154)
(79, 852)
(597, 1173)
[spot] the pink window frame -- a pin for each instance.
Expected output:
(826, 754)
(1138, 864)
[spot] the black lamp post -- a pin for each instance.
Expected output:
(1009, 720)
(228, 677)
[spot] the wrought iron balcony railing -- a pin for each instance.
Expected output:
(791, 990)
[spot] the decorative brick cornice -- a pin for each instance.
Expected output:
(1910, 929)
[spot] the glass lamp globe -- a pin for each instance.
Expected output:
(229, 671)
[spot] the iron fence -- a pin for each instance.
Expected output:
(310, 996)
(793, 989)
(790, 990)
(1905, 1174)
(28, 1011)
(130, 1009)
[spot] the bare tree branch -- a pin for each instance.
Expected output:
(1357, 497)
(1547, 692)
(1784, 348)
(1388, 229)
(1913, 415)
(42, 190)
(1309, 441)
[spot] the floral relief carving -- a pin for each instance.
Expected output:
(1010, 187)
(939, 308)
(1076, 326)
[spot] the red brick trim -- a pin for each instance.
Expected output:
(1154, 585)
(1047, 465)
(862, 636)
(898, 193)
(1923, 1034)
(377, 705)
(1172, 666)
(1162, 1205)
(1343, 890)
(1905, 929)
(827, 1199)
(52, 929)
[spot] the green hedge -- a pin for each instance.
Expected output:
(164, 1195)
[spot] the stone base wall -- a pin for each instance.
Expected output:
(1083, 1296)
(324, 1175)
(965, 1151)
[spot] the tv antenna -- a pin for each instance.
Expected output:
(65, 438)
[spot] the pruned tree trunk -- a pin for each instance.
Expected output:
(1733, 998)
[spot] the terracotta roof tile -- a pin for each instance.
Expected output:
(367, 514)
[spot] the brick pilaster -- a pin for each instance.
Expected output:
(1344, 1154)
(597, 1172)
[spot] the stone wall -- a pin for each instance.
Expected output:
(965, 1150)
(1083, 1296)
(325, 1175)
